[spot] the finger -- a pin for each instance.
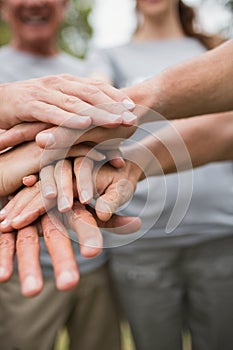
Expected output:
(64, 181)
(83, 223)
(30, 180)
(120, 224)
(101, 95)
(21, 133)
(83, 174)
(28, 249)
(82, 150)
(60, 249)
(115, 158)
(48, 183)
(7, 252)
(32, 211)
(58, 138)
(24, 208)
(115, 94)
(16, 205)
(54, 115)
(65, 137)
(72, 96)
(115, 196)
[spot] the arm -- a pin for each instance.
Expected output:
(193, 142)
(200, 86)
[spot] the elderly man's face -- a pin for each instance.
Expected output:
(34, 20)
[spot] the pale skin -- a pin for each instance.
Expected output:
(41, 103)
(64, 100)
(58, 100)
(175, 148)
(197, 78)
(54, 228)
(160, 103)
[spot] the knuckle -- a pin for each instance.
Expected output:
(66, 76)
(90, 90)
(52, 233)
(6, 242)
(29, 238)
(70, 101)
(98, 83)
(51, 80)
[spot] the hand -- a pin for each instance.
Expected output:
(26, 243)
(13, 162)
(112, 187)
(21, 133)
(28, 205)
(64, 100)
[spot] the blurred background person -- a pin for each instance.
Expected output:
(186, 278)
(88, 310)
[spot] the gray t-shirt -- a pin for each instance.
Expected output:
(16, 65)
(210, 210)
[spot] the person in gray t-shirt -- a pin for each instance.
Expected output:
(34, 323)
(182, 266)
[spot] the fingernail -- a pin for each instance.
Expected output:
(129, 104)
(114, 118)
(84, 119)
(27, 177)
(63, 204)
(65, 278)
(129, 117)
(91, 243)
(50, 192)
(3, 212)
(5, 223)
(29, 285)
(16, 219)
(99, 156)
(85, 196)
(79, 121)
(46, 138)
(96, 155)
(3, 272)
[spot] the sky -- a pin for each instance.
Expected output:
(116, 18)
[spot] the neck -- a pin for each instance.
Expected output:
(162, 27)
(43, 49)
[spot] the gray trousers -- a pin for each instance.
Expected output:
(88, 311)
(161, 289)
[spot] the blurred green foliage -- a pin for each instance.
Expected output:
(75, 32)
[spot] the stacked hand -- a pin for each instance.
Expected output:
(51, 207)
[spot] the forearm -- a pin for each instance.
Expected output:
(186, 144)
(200, 86)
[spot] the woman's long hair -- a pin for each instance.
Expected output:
(188, 19)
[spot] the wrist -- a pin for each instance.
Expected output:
(148, 96)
